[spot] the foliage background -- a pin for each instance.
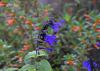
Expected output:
(18, 39)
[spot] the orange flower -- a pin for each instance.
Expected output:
(70, 62)
(97, 22)
(2, 4)
(76, 28)
(94, 24)
(11, 21)
(96, 46)
(22, 17)
(28, 22)
(26, 47)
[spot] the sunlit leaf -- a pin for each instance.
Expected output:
(67, 17)
(44, 66)
(34, 54)
(28, 67)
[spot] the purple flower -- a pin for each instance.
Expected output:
(50, 39)
(98, 43)
(56, 26)
(86, 64)
(96, 65)
(62, 21)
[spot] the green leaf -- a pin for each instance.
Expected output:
(11, 69)
(44, 66)
(34, 19)
(71, 68)
(28, 67)
(21, 13)
(1, 14)
(6, 0)
(1, 42)
(50, 31)
(77, 23)
(38, 24)
(67, 17)
(46, 18)
(7, 46)
(33, 54)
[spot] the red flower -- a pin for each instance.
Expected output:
(76, 28)
(97, 29)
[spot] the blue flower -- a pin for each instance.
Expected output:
(62, 21)
(50, 39)
(56, 26)
(98, 43)
(86, 64)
